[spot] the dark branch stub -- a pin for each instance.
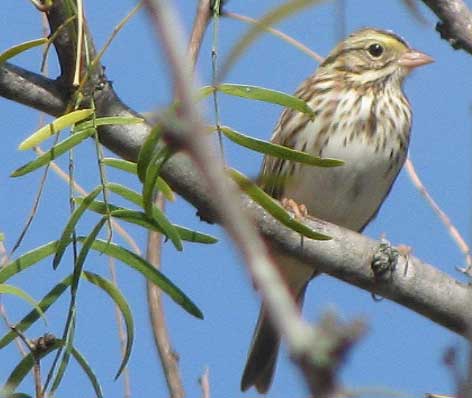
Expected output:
(455, 24)
(384, 261)
(445, 33)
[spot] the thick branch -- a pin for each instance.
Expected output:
(456, 22)
(31, 89)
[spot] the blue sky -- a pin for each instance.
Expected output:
(401, 352)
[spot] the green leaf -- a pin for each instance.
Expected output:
(120, 164)
(166, 226)
(131, 167)
(139, 218)
(152, 173)
(99, 207)
(88, 371)
(68, 345)
(266, 95)
(115, 294)
(277, 150)
(33, 316)
(54, 152)
(69, 330)
(55, 127)
(272, 17)
(147, 151)
(65, 238)
(14, 395)
(165, 189)
(150, 273)
(27, 363)
(86, 246)
(108, 120)
(191, 235)
(19, 48)
(277, 211)
(26, 260)
(15, 291)
(204, 92)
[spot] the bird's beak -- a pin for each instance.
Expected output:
(414, 58)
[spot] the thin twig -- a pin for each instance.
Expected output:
(214, 57)
(455, 234)
(80, 38)
(200, 24)
(8, 324)
(288, 39)
(32, 213)
(205, 383)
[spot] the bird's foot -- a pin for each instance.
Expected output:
(299, 210)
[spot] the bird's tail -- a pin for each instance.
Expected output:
(262, 356)
(260, 365)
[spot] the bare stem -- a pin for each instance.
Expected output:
(169, 359)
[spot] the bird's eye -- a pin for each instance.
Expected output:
(376, 50)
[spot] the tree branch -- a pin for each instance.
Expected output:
(456, 22)
(32, 89)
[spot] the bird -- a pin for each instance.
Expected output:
(361, 116)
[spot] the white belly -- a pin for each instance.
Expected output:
(348, 195)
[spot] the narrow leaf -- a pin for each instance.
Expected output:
(88, 371)
(16, 291)
(150, 273)
(152, 173)
(48, 300)
(19, 48)
(139, 218)
(119, 300)
(99, 207)
(86, 246)
(55, 127)
(158, 215)
(277, 211)
(277, 150)
(120, 164)
(191, 235)
(204, 92)
(266, 95)
(108, 120)
(65, 238)
(56, 151)
(26, 260)
(147, 151)
(131, 167)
